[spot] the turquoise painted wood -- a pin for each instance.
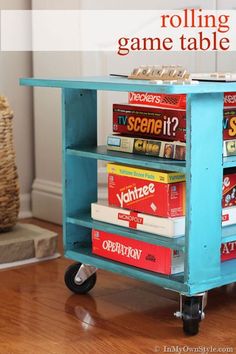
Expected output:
(101, 153)
(174, 282)
(84, 219)
(122, 84)
(79, 116)
(177, 243)
(226, 276)
(204, 187)
(203, 168)
(229, 161)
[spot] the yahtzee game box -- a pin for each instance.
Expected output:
(160, 193)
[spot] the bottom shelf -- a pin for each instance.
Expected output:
(173, 282)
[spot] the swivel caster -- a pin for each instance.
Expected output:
(192, 312)
(80, 278)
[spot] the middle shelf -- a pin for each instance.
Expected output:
(176, 243)
(101, 153)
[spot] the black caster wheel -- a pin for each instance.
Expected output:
(191, 315)
(73, 285)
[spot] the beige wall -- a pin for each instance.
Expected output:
(14, 65)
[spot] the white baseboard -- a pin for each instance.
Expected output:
(47, 201)
(25, 206)
(47, 198)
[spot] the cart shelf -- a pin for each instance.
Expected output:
(175, 243)
(85, 255)
(174, 282)
(101, 153)
(229, 161)
(85, 220)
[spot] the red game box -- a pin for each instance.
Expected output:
(229, 189)
(163, 116)
(149, 122)
(144, 255)
(143, 191)
(228, 251)
(229, 124)
(171, 101)
(137, 253)
(157, 100)
(230, 99)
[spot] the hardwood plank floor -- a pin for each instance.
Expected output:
(121, 315)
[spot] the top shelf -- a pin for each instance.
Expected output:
(107, 83)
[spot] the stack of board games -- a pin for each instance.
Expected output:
(155, 124)
(151, 201)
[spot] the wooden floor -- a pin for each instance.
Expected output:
(39, 315)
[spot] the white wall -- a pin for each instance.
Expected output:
(46, 194)
(13, 66)
(47, 184)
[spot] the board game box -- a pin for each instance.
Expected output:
(166, 149)
(157, 100)
(169, 227)
(160, 123)
(228, 251)
(145, 255)
(229, 148)
(171, 101)
(137, 253)
(149, 122)
(229, 189)
(229, 124)
(160, 193)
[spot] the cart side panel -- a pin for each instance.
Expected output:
(79, 119)
(204, 187)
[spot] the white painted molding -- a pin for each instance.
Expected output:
(102, 183)
(45, 186)
(47, 200)
(25, 206)
(47, 197)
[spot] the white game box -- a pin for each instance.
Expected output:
(169, 227)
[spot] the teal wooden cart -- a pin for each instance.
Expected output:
(204, 173)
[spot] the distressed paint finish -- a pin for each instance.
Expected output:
(204, 187)
(79, 112)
